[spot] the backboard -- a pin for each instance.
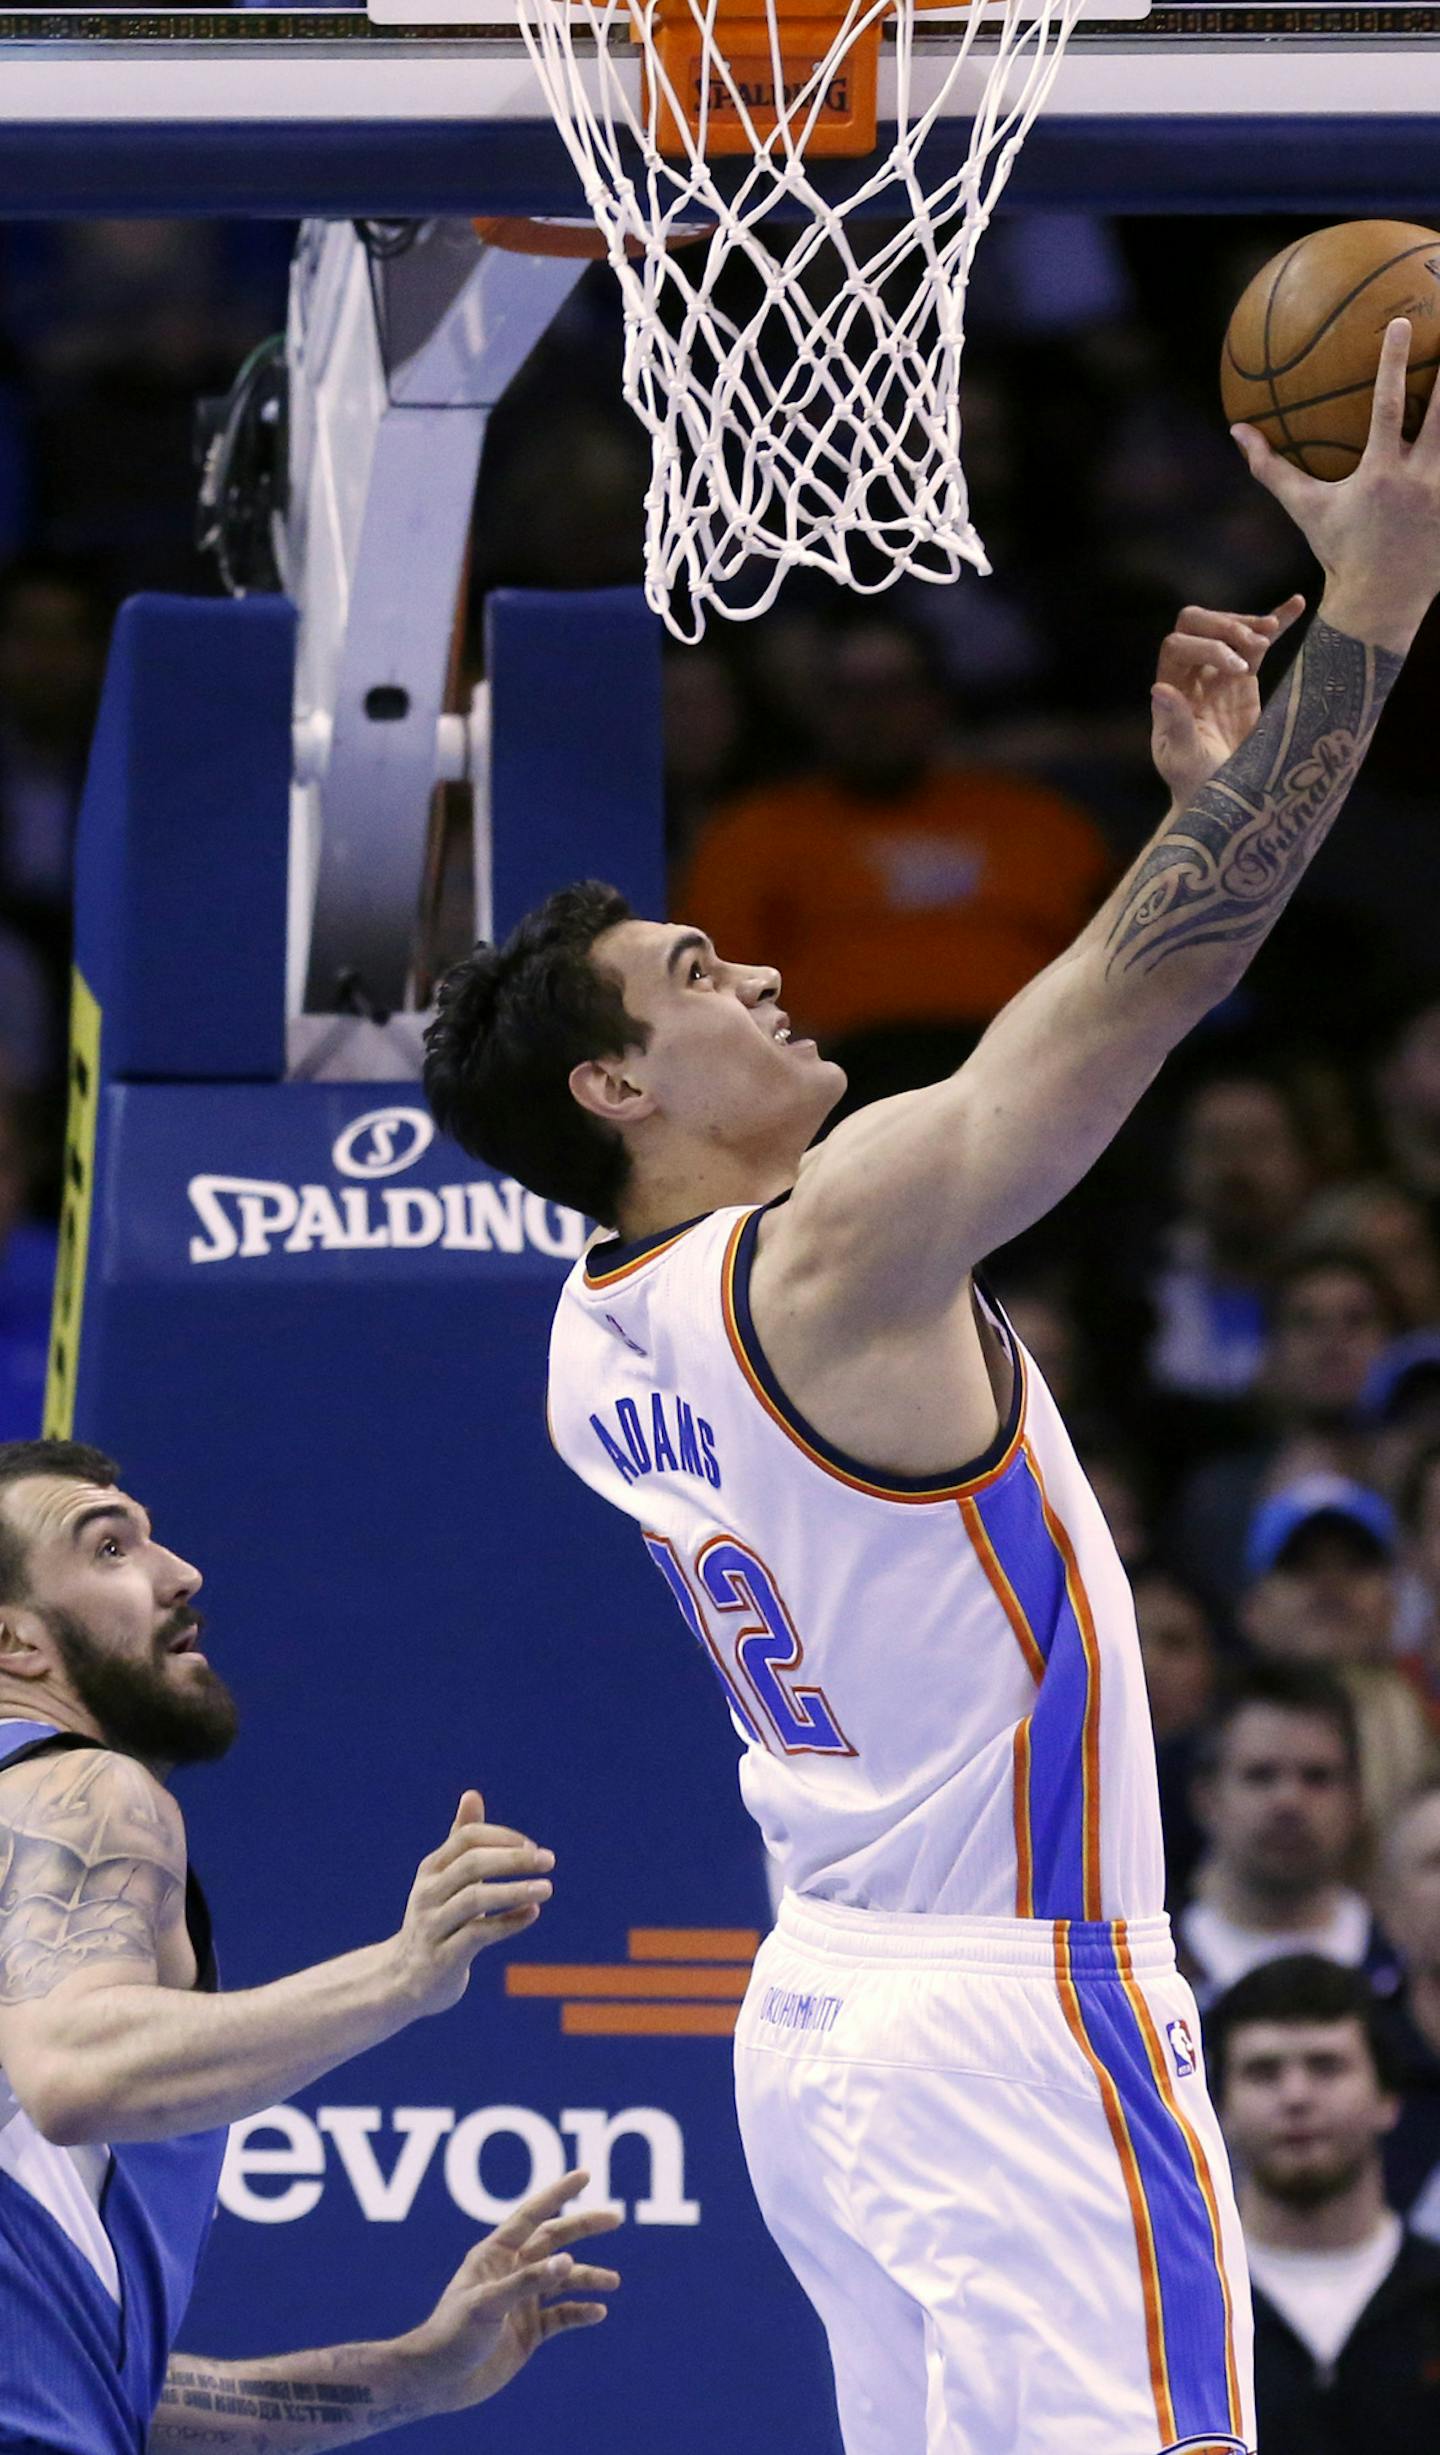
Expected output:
(1315, 108)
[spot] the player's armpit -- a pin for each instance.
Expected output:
(890, 1214)
(92, 1870)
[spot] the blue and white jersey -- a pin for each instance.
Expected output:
(937, 1680)
(98, 2248)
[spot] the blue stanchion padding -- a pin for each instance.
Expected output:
(576, 782)
(181, 854)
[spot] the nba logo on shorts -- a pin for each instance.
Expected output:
(1182, 2046)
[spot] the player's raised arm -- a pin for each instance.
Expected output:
(912, 1192)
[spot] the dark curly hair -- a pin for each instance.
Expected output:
(1302, 1988)
(512, 1023)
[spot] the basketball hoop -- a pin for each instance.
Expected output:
(800, 376)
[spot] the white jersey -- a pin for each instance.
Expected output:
(937, 1679)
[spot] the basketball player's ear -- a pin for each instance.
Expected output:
(25, 1648)
(605, 1088)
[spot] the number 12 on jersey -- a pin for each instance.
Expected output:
(740, 1619)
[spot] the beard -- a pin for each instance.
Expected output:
(1307, 2187)
(140, 1706)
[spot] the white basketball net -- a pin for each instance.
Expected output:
(813, 417)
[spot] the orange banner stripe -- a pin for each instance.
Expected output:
(535, 1978)
(693, 1943)
(647, 2019)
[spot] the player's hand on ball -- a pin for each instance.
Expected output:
(484, 1884)
(518, 2288)
(1377, 532)
(1205, 700)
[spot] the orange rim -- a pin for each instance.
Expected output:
(521, 234)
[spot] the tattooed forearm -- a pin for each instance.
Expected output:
(1224, 868)
(284, 2407)
(91, 1866)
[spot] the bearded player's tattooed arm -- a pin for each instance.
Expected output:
(92, 1888)
(284, 2406)
(102, 2036)
(92, 1869)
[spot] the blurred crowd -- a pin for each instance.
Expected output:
(910, 802)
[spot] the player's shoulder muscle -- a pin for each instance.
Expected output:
(92, 1867)
(876, 1217)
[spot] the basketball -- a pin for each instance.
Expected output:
(1304, 342)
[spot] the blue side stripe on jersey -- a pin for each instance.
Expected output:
(1192, 2298)
(1013, 1516)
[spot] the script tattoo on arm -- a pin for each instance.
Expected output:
(259, 2408)
(92, 1864)
(1224, 868)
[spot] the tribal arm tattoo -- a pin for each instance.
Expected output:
(92, 1867)
(1223, 869)
(285, 2406)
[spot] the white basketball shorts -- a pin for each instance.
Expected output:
(986, 2149)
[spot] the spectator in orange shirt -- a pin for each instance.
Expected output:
(899, 890)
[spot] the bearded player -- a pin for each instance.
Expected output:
(968, 2074)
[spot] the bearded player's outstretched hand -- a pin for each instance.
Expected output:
(519, 2287)
(1205, 699)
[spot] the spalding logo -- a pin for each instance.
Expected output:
(383, 1141)
(246, 1218)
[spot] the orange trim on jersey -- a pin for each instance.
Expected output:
(827, 1466)
(1134, 2187)
(1024, 1847)
(1090, 1733)
(1198, 2158)
(627, 1270)
(1004, 1592)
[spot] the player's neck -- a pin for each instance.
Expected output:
(23, 1701)
(1354, 2216)
(695, 1183)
